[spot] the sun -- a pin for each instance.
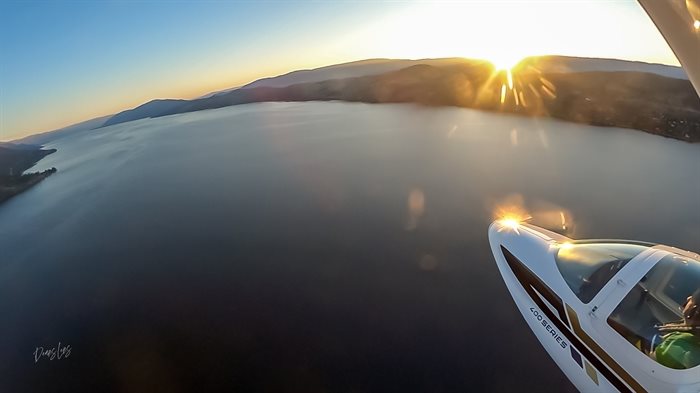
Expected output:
(505, 61)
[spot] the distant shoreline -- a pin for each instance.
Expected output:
(654, 98)
(539, 87)
(14, 160)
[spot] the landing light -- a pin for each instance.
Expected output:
(510, 213)
(509, 223)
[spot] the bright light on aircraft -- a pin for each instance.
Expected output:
(562, 246)
(565, 246)
(510, 212)
(510, 223)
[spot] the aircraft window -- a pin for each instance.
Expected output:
(587, 267)
(661, 314)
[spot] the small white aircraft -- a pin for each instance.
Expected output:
(603, 309)
(614, 315)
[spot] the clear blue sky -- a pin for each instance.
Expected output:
(66, 61)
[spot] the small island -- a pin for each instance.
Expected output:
(14, 160)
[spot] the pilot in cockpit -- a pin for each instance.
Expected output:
(680, 345)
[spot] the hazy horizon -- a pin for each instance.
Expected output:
(112, 56)
(224, 88)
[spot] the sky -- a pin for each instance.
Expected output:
(62, 62)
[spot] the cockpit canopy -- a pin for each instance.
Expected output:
(652, 318)
(588, 266)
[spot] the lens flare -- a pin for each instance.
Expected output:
(511, 222)
(510, 213)
(509, 76)
(519, 86)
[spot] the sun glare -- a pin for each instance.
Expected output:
(510, 223)
(505, 61)
(510, 213)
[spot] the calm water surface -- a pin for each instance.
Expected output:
(309, 247)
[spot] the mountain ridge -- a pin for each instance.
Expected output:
(349, 70)
(377, 66)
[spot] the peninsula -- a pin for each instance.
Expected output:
(14, 160)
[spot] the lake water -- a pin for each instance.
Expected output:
(310, 246)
